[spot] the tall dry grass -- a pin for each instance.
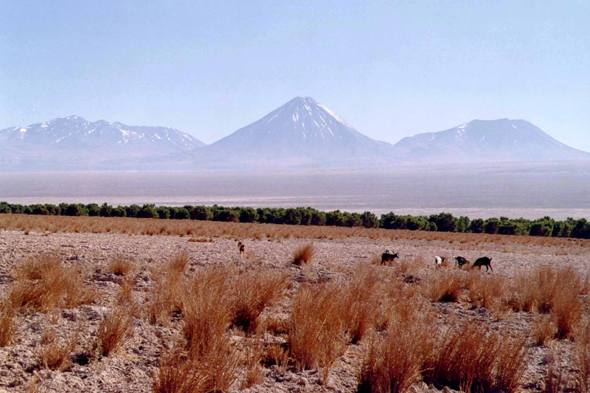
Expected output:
(445, 286)
(316, 332)
(551, 290)
(113, 330)
(360, 302)
(251, 293)
(396, 362)
(487, 291)
(207, 311)
(474, 358)
(179, 373)
(7, 327)
(43, 283)
(582, 356)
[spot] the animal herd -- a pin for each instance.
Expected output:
(388, 256)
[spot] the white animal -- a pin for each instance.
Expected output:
(438, 261)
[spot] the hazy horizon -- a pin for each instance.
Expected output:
(482, 191)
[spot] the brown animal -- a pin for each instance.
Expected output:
(242, 249)
(483, 261)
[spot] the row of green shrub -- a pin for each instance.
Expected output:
(443, 222)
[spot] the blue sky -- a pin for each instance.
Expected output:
(390, 68)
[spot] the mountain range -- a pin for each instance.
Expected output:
(75, 143)
(300, 134)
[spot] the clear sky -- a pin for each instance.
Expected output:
(390, 68)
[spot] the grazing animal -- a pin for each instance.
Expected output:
(242, 248)
(483, 261)
(438, 261)
(388, 257)
(461, 261)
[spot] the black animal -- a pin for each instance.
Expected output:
(483, 261)
(461, 261)
(388, 257)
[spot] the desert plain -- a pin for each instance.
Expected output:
(134, 305)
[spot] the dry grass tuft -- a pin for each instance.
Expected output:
(113, 330)
(252, 292)
(396, 362)
(544, 330)
(121, 266)
(475, 358)
(582, 356)
(55, 353)
(303, 254)
(44, 283)
(316, 335)
(207, 311)
(487, 291)
(7, 328)
(445, 286)
(178, 263)
(554, 290)
(179, 373)
(360, 303)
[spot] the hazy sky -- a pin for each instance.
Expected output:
(390, 68)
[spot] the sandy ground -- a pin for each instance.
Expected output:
(132, 367)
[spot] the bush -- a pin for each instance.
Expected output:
(477, 226)
(202, 213)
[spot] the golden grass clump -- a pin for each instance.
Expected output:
(397, 361)
(178, 263)
(316, 333)
(207, 311)
(179, 373)
(170, 292)
(55, 353)
(121, 266)
(445, 286)
(113, 330)
(44, 283)
(7, 328)
(252, 292)
(487, 291)
(554, 290)
(582, 355)
(360, 302)
(303, 255)
(474, 358)
(543, 330)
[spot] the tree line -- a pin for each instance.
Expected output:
(442, 222)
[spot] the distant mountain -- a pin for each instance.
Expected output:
(76, 143)
(501, 140)
(301, 133)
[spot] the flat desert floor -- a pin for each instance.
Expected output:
(101, 305)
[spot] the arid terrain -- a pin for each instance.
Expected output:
(118, 305)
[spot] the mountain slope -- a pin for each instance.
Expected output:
(300, 133)
(501, 140)
(75, 143)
